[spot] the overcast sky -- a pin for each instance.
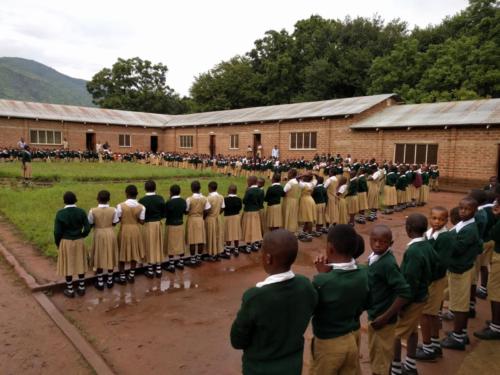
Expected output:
(78, 38)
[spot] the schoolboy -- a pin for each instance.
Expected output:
(463, 254)
(152, 232)
(417, 271)
(343, 292)
(175, 243)
(389, 292)
(488, 244)
(273, 197)
(197, 208)
(320, 197)
(213, 224)
(232, 220)
(271, 343)
(250, 223)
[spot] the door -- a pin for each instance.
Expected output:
(154, 143)
(90, 141)
(212, 145)
(256, 143)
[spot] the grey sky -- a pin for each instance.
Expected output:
(189, 36)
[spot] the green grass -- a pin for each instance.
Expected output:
(33, 209)
(84, 171)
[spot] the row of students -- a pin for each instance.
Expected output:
(398, 298)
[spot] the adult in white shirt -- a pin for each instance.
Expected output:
(275, 152)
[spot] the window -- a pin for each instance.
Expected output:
(45, 137)
(234, 142)
(124, 140)
(186, 141)
(303, 141)
(411, 153)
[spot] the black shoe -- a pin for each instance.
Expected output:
(324, 230)
(370, 218)
(247, 249)
(438, 352)
(170, 268)
(70, 293)
(158, 272)
(466, 339)
(179, 264)
(191, 262)
(131, 278)
(99, 285)
(225, 255)
(255, 247)
(80, 291)
(235, 252)
(487, 334)
(452, 343)
(149, 273)
(472, 313)
(109, 282)
(422, 355)
(481, 294)
(203, 257)
(121, 279)
(315, 234)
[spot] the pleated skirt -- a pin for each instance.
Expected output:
(174, 242)
(390, 197)
(343, 213)
(373, 195)
(232, 228)
(250, 226)
(195, 230)
(424, 194)
(402, 196)
(307, 209)
(104, 249)
(72, 258)
(320, 214)
(130, 243)
(213, 244)
(152, 235)
(363, 201)
(263, 221)
(352, 204)
(332, 211)
(274, 216)
(290, 214)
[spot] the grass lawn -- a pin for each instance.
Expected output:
(32, 209)
(84, 171)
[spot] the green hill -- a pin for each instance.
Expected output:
(22, 79)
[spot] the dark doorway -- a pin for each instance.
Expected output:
(498, 162)
(154, 143)
(90, 141)
(212, 145)
(256, 143)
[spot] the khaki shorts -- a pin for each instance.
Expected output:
(436, 297)
(459, 290)
(334, 356)
(494, 279)
(408, 320)
(381, 347)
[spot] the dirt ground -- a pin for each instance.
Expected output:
(180, 324)
(30, 343)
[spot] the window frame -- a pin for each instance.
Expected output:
(124, 143)
(234, 145)
(186, 137)
(303, 139)
(46, 131)
(415, 149)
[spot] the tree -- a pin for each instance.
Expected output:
(135, 85)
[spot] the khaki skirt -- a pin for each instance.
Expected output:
(307, 209)
(72, 258)
(416, 193)
(263, 220)
(363, 201)
(409, 192)
(250, 224)
(424, 194)
(390, 197)
(352, 204)
(195, 230)
(274, 216)
(402, 196)
(320, 213)
(332, 211)
(290, 214)
(373, 193)
(232, 228)
(174, 243)
(343, 213)
(153, 241)
(27, 170)
(213, 244)
(104, 250)
(130, 243)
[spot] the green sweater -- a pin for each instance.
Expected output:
(386, 283)
(465, 249)
(416, 269)
(253, 199)
(71, 224)
(270, 326)
(442, 245)
(495, 235)
(319, 194)
(175, 210)
(155, 207)
(343, 295)
(233, 206)
(274, 194)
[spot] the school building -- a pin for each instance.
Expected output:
(463, 138)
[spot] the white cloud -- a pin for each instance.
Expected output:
(190, 36)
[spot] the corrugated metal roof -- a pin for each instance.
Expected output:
(326, 108)
(43, 111)
(470, 112)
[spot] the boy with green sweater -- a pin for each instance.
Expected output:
(343, 293)
(270, 324)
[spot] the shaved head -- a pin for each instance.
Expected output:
(282, 245)
(381, 231)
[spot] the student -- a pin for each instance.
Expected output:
(390, 194)
(232, 220)
(26, 159)
(374, 192)
(270, 324)
(273, 197)
(174, 242)
(250, 223)
(152, 232)
(492, 330)
(213, 224)
(352, 198)
(70, 228)
(343, 292)
(424, 189)
(389, 293)
(463, 254)
(417, 271)
(401, 186)
(434, 178)
(343, 214)
(362, 196)
(291, 202)
(197, 207)
(262, 211)
(320, 197)
(307, 207)
(130, 243)
(104, 250)
(488, 244)
(332, 209)
(441, 240)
